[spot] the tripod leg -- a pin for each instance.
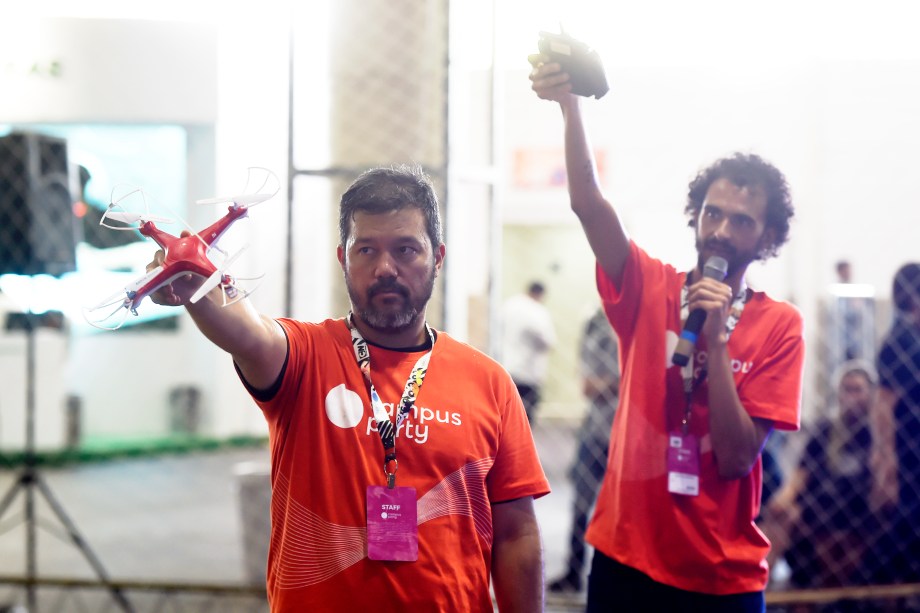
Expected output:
(82, 545)
(22, 483)
(10, 495)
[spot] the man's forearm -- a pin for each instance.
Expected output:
(517, 574)
(517, 557)
(736, 437)
(256, 343)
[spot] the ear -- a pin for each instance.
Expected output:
(767, 242)
(340, 254)
(439, 258)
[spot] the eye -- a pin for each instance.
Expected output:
(407, 250)
(744, 222)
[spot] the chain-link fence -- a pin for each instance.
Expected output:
(845, 513)
(833, 528)
(838, 543)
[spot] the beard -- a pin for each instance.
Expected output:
(391, 318)
(737, 260)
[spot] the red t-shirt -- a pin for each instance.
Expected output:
(465, 446)
(706, 543)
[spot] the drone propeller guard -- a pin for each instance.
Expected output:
(191, 253)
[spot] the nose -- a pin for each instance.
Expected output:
(385, 266)
(723, 229)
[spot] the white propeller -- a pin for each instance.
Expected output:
(261, 184)
(117, 298)
(131, 218)
(215, 278)
(244, 200)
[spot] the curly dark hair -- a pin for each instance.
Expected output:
(747, 170)
(391, 188)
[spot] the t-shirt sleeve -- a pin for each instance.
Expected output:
(621, 304)
(516, 472)
(773, 390)
(287, 387)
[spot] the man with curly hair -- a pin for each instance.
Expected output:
(674, 528)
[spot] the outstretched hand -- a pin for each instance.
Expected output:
(179, 291)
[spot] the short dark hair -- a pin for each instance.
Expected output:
(391, 188)
(906, 288)
(747, 170)
(855, 367)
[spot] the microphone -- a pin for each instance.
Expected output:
(715, 268)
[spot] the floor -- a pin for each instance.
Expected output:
(179, 518)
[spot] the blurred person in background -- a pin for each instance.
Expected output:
(600, 376)
(820, 521)
(528, 335)
(896, 419)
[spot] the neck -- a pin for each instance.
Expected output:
(411, 336)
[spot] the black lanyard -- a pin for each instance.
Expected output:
(385, 427)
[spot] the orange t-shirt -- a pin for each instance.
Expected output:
(465, 446)
(706, 543)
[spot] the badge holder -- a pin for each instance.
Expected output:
(683, 464)
(392, 522)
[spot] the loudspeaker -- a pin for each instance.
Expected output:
(37, 224)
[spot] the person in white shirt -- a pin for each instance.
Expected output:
(527, 338)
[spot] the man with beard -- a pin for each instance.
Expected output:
(344, 396)
(674, 529)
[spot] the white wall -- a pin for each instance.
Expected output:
(224, 78)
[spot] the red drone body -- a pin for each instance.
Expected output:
(186, 254)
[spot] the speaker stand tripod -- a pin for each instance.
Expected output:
(30, 479)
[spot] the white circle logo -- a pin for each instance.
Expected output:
(344, 407)
(383, 515)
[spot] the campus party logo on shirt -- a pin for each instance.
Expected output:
(345, 409)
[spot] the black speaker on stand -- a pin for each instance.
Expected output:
(37, 224)
(37, 236)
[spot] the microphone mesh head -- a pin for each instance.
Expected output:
(716, 268)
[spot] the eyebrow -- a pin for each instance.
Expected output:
(709, 205)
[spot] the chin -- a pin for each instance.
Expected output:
(389, 323)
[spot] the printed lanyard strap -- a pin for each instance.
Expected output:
(690, 382)
(385, 427)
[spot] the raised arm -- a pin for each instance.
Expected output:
(602, 226)
(256, 342)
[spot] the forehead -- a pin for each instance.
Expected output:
(854, 379)
(734, 199)
(407, 222)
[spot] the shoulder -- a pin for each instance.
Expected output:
(641, 271)
(776, 311)
(462, 354)
(329, 330)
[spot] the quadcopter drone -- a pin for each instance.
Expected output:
(190, 253)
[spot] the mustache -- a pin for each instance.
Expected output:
(387, 286)
(718, 245)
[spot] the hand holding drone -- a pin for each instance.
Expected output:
(189, 254)
(581, 62)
